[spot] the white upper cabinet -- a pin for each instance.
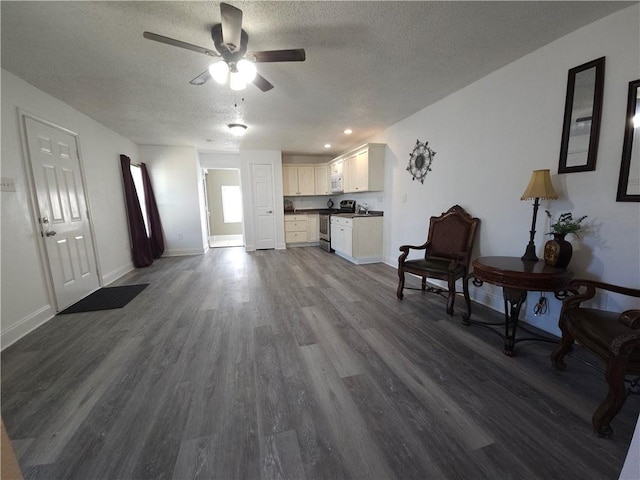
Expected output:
(364, 169)
(322, 179)
(298, 180)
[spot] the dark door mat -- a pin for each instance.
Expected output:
(106, 298)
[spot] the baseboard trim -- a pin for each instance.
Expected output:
(183, 252)
(114, 275)
(29, 323)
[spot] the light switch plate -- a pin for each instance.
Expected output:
(8, 185)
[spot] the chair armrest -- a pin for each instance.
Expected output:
(590, 291)
(624, 345)
(405, 251)
(406, 248)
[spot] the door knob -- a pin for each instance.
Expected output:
(50, 233)
(269, 211)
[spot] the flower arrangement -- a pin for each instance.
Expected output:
(565, 224)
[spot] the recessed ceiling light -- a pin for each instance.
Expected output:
(237, 129)
(327, 145)
(348, 131)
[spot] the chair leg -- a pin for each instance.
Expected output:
(559, 352)
(616, 397)
(424, 283)
(467, 300)
(452, 295)
(399, 293)
(564, 346)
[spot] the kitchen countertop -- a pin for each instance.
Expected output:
(373, 213)
(311, 211)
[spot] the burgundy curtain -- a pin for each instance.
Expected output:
(155, 235)
(141, 251)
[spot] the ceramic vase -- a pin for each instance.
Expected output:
(557, 252)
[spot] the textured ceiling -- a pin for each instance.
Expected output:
(369, 64)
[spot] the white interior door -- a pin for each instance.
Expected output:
(263, 201)
(62, 207)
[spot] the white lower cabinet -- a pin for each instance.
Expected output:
(357, 239)
(313, 227)
(295, 229)
(342, 235)
(301, 229)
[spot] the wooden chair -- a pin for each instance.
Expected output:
(447, 253)
(612, 336)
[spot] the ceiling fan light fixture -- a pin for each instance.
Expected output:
(238, 129)
(219, 71)
(247, 69)
(236, 82)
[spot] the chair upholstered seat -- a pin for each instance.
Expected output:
(447, 253)
(434, 266)
(598, 329)
(614, 337)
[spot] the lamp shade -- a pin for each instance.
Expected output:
(540, 186)
(219, 71)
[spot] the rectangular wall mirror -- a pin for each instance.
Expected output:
(582, 112)
(629, 183)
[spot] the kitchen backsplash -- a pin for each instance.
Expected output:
(374, 199)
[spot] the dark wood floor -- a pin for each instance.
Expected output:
(295, 364)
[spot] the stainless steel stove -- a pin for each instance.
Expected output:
(346, 206)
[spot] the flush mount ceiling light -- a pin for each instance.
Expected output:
(348, 131)
(237, 129)
(327, 145)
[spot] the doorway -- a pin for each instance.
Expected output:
(223, 193)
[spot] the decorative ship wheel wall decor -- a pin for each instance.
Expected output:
(420, 161)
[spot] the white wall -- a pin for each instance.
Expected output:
(176, 177)
(491, 135)
(24, 297)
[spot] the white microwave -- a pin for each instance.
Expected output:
(337, 183)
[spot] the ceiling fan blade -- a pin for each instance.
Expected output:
(201, 79)
(231, 26)
(293, 55)
(178, 43)
(262, 83)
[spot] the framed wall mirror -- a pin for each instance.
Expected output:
(629, 183)
(582, 112)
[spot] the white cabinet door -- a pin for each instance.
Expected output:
(322, 179)
(342, 235)
(306, 180)
(313, 227)
(289, 180)
(348, 241)
(337, 241)
(359, 171)
(349, 174)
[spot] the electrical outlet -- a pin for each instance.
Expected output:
(404, 198)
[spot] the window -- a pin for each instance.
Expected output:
(231, 204)
(136, 173)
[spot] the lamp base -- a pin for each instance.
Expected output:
(530, 254)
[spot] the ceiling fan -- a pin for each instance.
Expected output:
(230, 42)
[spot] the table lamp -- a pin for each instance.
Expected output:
(540, 186)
